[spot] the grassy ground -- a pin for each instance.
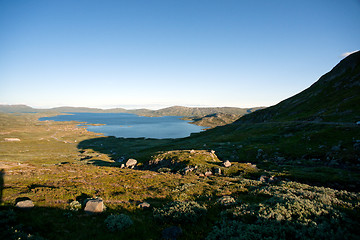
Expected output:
(55, 163)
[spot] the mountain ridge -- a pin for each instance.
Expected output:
(169, 111)
(334, 97)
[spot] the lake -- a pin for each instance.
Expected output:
(132, 126)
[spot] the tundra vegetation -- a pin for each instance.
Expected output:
(291, 171)
(269, 191)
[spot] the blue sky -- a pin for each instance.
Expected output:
(102, 53)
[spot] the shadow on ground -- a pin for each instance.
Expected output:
(56, 223)
(119, 149)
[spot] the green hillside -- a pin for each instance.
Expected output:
(335, 97)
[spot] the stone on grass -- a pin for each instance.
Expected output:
(26, 204)
(227, 163)
(188, 169)
(144, 205)
(12, 139)
(208, 173)
(131, 163)
(94, 205)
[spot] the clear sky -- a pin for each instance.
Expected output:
(152, 53)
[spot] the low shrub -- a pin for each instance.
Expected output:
(118, 222)
(293, 211)
(180, 212)
(75, 206)
(226, 201)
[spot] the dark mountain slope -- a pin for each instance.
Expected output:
(335, 97)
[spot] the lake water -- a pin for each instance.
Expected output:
(132, 126)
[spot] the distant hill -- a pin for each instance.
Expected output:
(170, 111)
(17, 109)
(216, 119)
(335, 97)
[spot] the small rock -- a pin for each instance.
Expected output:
(212, 152)
(94, 205)
(12, 139)
(188, 169)
(192, 151)
(144, 205)
(26, 204)
(171, 233)
(131, 163)
(227, 163)
(208, 173)
(217, 171)
(122, 165)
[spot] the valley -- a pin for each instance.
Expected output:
(290, 171)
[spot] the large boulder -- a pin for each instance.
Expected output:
(131, 163)
(94, 205)
(25, 204)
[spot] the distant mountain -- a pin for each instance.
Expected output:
(170, 111)
(200, 112)
(335, 97)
